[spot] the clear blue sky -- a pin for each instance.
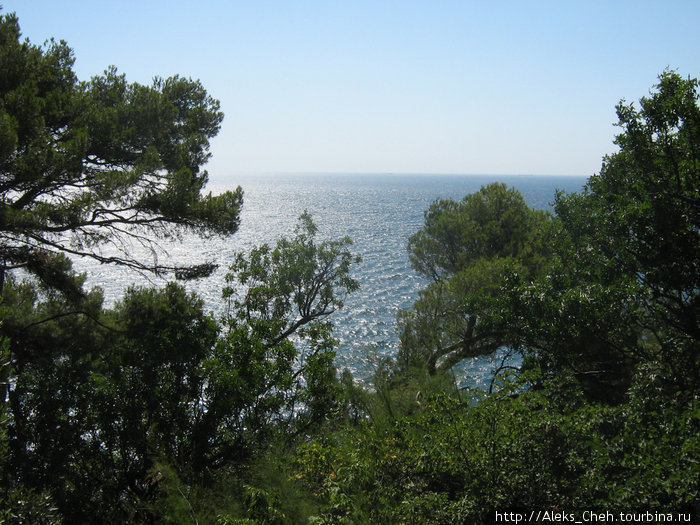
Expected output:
(438, 86)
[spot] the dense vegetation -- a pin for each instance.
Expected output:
(154, 411)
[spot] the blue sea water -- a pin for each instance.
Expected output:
(379, 212)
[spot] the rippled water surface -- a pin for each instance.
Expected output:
(379, 212)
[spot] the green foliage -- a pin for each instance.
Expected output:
(647, 192)
(175, 498)
(84, 164)
(155, 411)
(54, 346)
(604, 413)
(461, 459)
(24, 506)
(283, 292)
(648, 209)
(149, 402)
(5, 374)
(134, 413)
(467, 249)
(116, 389)
(602, 299)
(299, 281)
(623, 285)
(493, 222)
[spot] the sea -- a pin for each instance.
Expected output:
(378, 211)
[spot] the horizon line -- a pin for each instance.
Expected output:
(387, 173)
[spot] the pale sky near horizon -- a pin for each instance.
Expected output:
(493, 87)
